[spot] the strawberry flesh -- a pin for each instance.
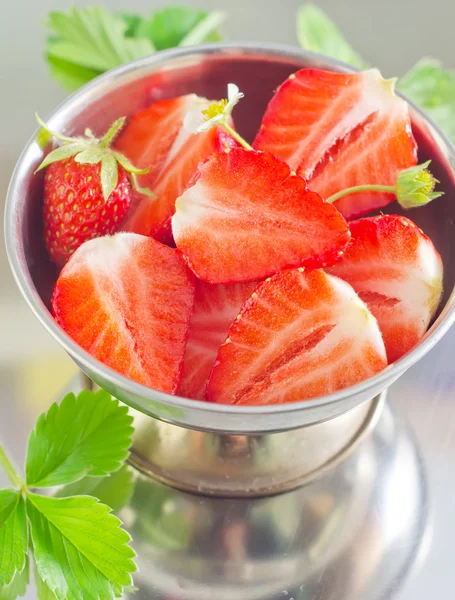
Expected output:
(340, 130)
(302, 334)
(246, 216)
(149, 136)
(156, 138)
(215, 307)
(398, 273)
(127, 300)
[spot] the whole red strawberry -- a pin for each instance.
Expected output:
(87, 192)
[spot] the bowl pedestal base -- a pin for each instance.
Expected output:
(240, 465)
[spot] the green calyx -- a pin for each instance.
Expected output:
(415, 186)
(88, 149)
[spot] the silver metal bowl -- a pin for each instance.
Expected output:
(258, 69)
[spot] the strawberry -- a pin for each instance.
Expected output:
(302, 334)
(156, 136)
(340, 130)
(75, 210)
(215, 307)
(151, 137)
(127, 300)
(397, 272)
(246, 216)
(87, 191)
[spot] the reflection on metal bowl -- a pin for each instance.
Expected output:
(352, 535)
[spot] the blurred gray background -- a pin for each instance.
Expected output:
(391, 34)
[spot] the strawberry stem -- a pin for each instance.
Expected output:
(236, 136)
(110, 134)
(361, 188)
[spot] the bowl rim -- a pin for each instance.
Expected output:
(16, 256)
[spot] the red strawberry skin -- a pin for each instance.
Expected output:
(302, 334)
(156, 138)
(398, 273)
(74, 208)
(215, 307)
(246, 216)
(127, 300)
(340, 130)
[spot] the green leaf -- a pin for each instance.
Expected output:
(114, 490)
(109, 175)
(432, 88)
(92, 38)
(80, 550)
(169, 26)
(316, 32)
(18, 586)
(87, 435)
(62, 153)
(44, 592)
(13, 535)
(70, 76)
(8, 501)
(132, 22)
(204, 29)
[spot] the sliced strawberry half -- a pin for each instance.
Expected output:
(156, 138)
(339, 130)
(152, 136)
(152, 216)
(398, 273)
(300, 336)
(247, 216)
(127, 300)
(215, 307)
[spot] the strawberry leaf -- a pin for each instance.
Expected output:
(87, 435)
(432, 87)
(318, 33)
(18, 585)
(205, 30)
(114, 490)
(170, 26)
(109, 175)
(13, 535)
(93, 39)
(70, 76)
(79, 547)
(133, 23)
(43, 590)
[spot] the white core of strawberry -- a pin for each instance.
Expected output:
(353, 321)
(194, 104)
(353, 329)
(418, 286)
(191, 209)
